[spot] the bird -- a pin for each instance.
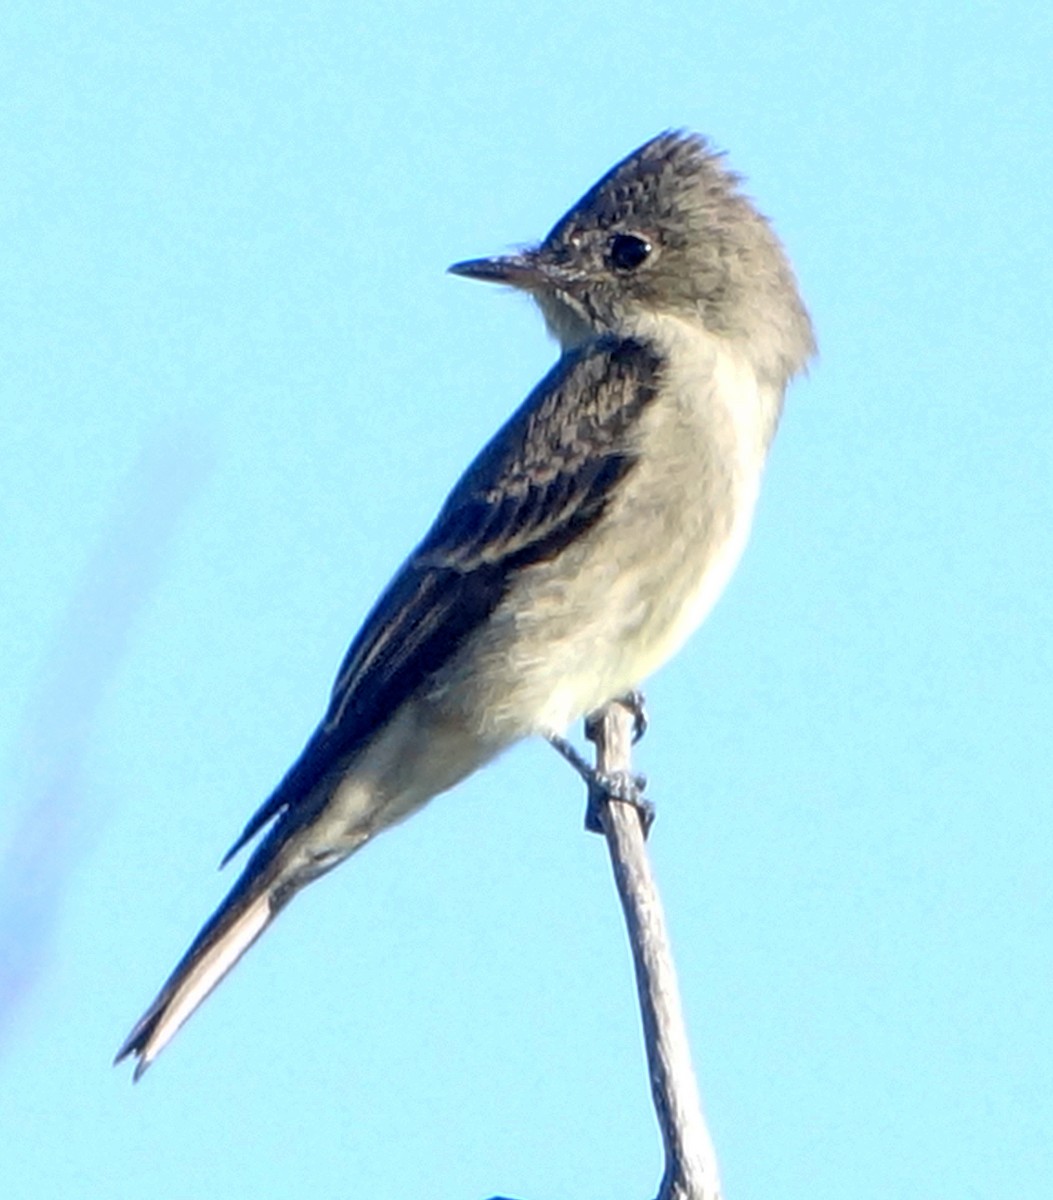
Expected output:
(577, 552)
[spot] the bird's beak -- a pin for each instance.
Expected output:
(524, 271)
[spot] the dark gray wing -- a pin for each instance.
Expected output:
(540, 483)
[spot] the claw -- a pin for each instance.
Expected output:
(636, 703)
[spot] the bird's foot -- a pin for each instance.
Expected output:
(636, 704)
(605, 786)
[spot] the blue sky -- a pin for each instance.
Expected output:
(236, 384)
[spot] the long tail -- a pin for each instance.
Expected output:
(251, 905)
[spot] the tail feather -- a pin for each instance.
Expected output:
(282, 864)
(238, 922)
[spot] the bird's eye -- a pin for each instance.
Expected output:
(628, 250)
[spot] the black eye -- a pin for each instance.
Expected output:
(628, 250)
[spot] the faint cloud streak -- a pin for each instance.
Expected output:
(50, 749)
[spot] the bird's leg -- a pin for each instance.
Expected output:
(571, 753)
(610, 785)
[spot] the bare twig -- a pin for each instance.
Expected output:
(617, 809)
(690, 1161)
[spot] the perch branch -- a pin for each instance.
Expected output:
(617, 808)
(691, 1171)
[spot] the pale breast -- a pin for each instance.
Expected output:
(614, 606)
(712, 455)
